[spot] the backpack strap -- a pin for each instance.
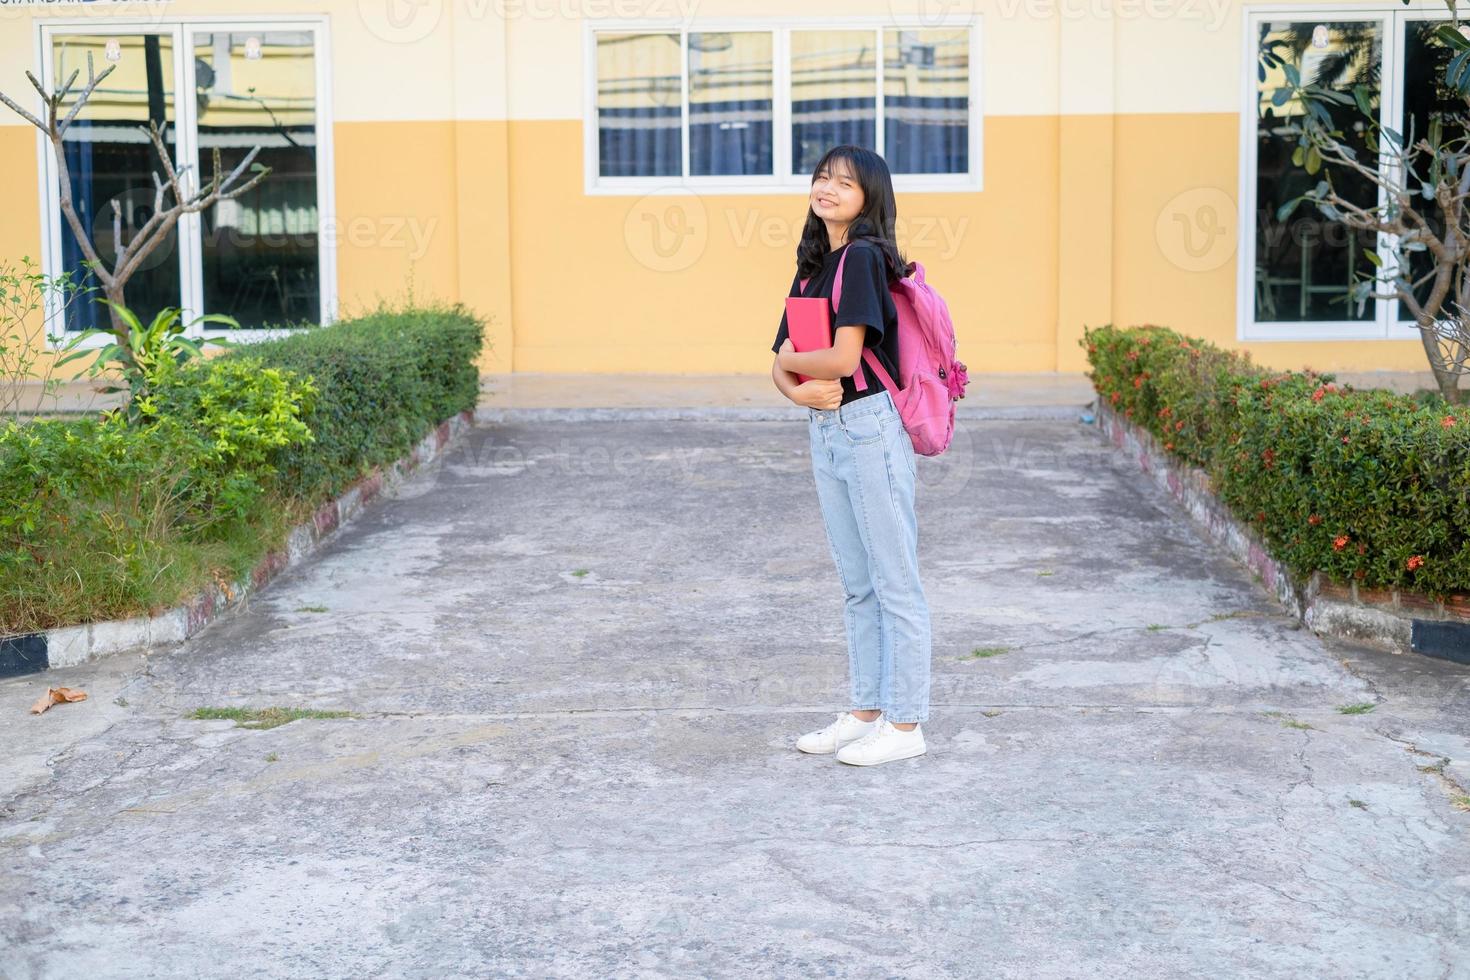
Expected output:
(859, 380)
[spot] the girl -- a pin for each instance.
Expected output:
(862, 459)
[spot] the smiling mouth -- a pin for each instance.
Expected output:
(826, 203)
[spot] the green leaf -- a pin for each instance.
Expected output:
(1284, 212)
(1447, 34)
(1360, 95)
(1372, 256)
(126, 315)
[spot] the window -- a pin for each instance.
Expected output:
(1296, 273)
(260, 257)
(730, 109)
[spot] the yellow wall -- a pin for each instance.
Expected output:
(1110, 178)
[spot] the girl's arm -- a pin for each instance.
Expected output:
(837, 361)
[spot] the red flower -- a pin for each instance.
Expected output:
(1138, 381)
(1269, 456)
(1314, 519)
(1178, 425)
(1344, 440)
(1339, 542)
(1416, 562)
(1115, 398)
(1448, 421)
(1132, 355)
(1261, 516)
(1168, 445)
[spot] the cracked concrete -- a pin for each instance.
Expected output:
(577, 656)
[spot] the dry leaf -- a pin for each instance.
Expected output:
(56, 695)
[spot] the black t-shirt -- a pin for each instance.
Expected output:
(866, 301)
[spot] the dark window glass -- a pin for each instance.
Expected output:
(261, 251)
(110, 160)
(1426, 98)
(926, 101)
(639, 111)
(1305, 265)
(730, 95)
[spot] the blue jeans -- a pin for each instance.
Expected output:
(863, 462)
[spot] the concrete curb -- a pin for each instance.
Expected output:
(71, 645)
(1384, 619)
(773, 413)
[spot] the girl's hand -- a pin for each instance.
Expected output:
(818, 393)
(786, 346)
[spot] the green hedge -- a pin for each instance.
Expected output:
(100, 519)
(385, 379)
(1363, 485)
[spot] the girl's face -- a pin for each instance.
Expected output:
(836, 196)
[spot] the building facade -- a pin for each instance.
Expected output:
(619, 185)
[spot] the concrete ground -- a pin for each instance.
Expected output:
(577, 656)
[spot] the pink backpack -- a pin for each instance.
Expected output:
(933, 380)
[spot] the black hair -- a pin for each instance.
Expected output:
(874, 223)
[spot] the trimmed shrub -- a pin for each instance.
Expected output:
(102, 519)
(1362, 485)
(384, 380)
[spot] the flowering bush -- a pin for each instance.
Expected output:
(1363, 485)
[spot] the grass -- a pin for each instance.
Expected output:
(1461, 802)
(272, 757)
(1362, 708)
(141, 566)
(1437, 768)
(1044, 573)
(1293, 723)
(581, 572)
(990, 714)
(1359, 804)
(264, 717)
(981, 652)
(312, 609)
(1155, 627)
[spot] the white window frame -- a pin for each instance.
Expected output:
(1392, 17)
(182, 31)
(780, 29)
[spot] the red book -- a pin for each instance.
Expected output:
(808, 324)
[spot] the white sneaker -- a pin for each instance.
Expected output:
(846, 728)
(884, 744)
